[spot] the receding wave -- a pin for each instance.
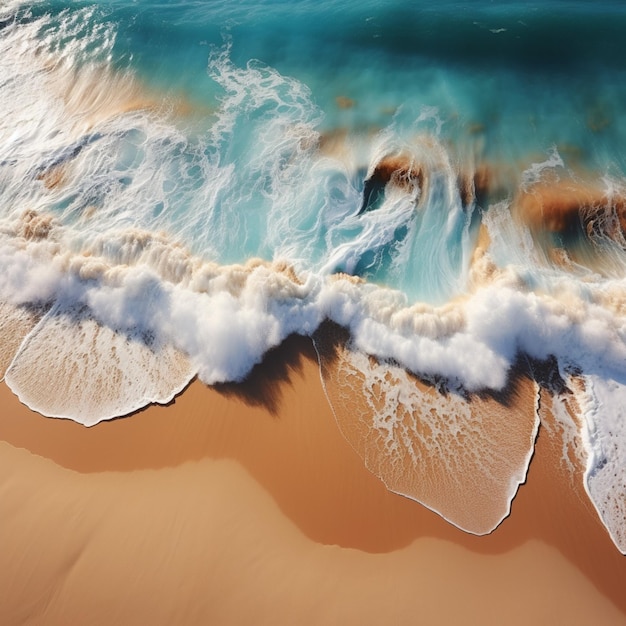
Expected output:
(146, 240)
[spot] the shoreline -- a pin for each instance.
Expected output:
(255, 495)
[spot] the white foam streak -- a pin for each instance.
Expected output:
(534, 173)
(604, 436)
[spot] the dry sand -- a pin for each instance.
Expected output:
(244, 505)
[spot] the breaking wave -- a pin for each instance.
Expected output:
(147, 239)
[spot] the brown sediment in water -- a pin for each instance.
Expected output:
(399, 169)
(476, 185)
(243, 504)
(478, 181)
(572, 221)
(599, 116)
(53, 177)
(348, 146)
(94, 97)
(96, 100)
(555, 206)
(343, 102)
(34, 225)
(483, 270)
(568, 205)
(333, 142)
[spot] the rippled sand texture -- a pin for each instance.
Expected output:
(244, 504)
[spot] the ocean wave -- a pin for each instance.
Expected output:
(145, 242)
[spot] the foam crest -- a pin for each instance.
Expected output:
(225, 324)
(223, 318)
(169, 259)
(33, 272)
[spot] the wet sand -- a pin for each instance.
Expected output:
(243, 504)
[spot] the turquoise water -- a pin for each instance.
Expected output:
(501, 83)
(185, 184)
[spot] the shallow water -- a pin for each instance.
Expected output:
(185, 184)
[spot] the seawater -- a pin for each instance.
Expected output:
(185, 184)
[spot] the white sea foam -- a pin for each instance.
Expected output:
(604, 436)
(206, 309)
(535, 171)
(565, 405)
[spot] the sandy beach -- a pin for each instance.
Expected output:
(243, 504)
